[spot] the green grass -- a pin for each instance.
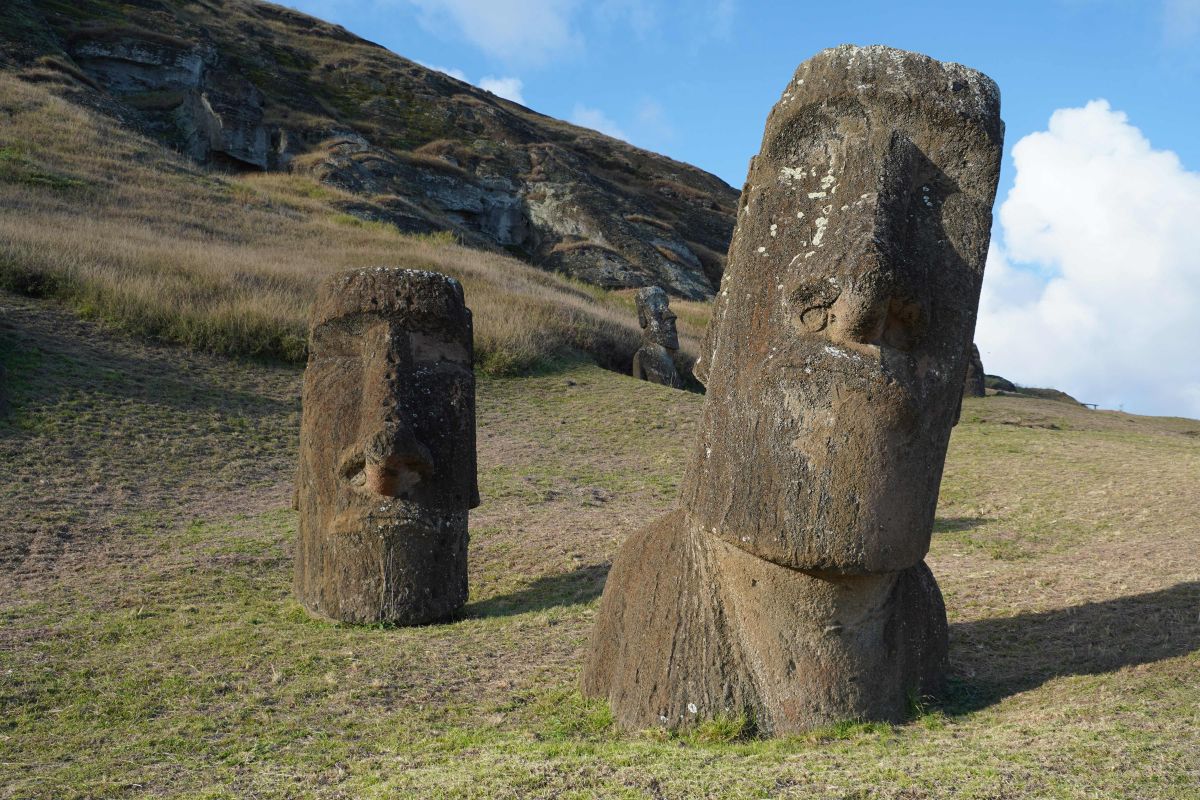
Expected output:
(17, 168)
(151, 645)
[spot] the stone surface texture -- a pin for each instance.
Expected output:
(655, 359)
(791, 587)
(387, 449)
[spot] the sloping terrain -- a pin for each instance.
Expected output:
(150, 647)
(127, 231)
(246, 85)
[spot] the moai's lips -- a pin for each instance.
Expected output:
(386, 518)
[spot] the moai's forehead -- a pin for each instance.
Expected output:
(422, 301)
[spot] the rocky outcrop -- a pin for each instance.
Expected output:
(182, 88)
(790, 586)
(249, 85)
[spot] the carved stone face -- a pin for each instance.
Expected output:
(656, 318)
(836, 351)
(387, 462)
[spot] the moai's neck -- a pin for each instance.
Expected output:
(821, 649)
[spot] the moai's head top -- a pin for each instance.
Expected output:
(389, 418)
(836, 353)
(656, 318)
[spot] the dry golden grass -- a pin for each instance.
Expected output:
(670, 255)
(585, 244)
(130, 233)
(653, 221)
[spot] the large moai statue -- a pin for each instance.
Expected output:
(790, 584)
(387, 449)
(973, 383)
(655, 359)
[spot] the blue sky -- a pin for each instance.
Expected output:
(695, 79)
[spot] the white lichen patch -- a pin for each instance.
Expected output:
(816, 195)
(828, 181)
(821, 223)
(790, 174)
(774, 230)
(762, 251)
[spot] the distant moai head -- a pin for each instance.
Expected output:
(836, 354)
(656, 318)
(387, 448)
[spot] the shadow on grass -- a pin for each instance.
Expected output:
(994, 658)
(955, 524)
(564, 589)
(48, 354)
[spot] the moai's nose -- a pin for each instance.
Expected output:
(395, 461)
(859, 315)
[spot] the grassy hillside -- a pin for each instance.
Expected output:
(130, 233)
(150, 647)
(286, 92)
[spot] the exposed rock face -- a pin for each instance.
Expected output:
(655, 359)
(254, 85)
(973, 383)
(387, 449)
(181, 88)
(999, 384)
(790, 586)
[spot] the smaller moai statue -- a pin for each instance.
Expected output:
(655, 359)
(387, 449)
(973, 384)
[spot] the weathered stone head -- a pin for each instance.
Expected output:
(655, 360)
(789, 586)
(974, 384)
(387, 448)
(837, 347)
(656, 318)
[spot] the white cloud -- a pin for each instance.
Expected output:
(596, 119)
(1096, 287)
(508, 88)
(516, 30)
(451, 71)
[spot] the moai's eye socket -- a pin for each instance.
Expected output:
(813, 299)
(815, 319)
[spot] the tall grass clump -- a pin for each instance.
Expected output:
(134, 235)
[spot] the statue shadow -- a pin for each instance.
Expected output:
(581, 585)
(956, 524)
(993, 659)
